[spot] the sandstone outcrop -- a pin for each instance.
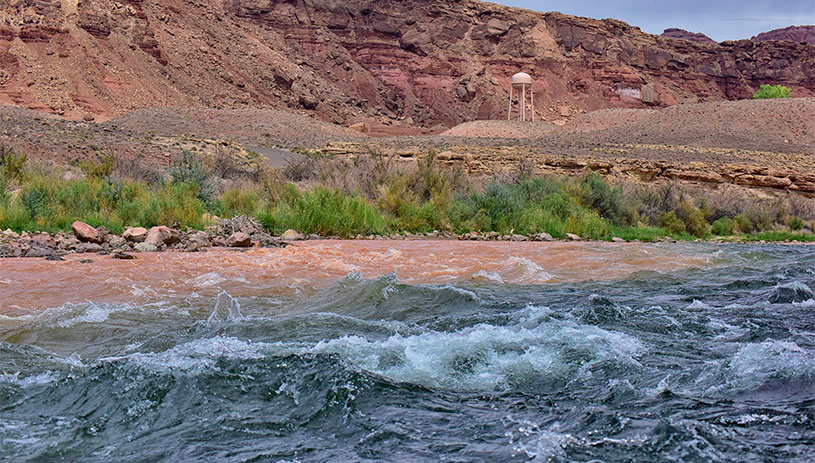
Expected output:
(800, 34)
(415, 62)
(676, 33)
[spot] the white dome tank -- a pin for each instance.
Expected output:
(521, 79)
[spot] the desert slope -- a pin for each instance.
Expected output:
(415, 62)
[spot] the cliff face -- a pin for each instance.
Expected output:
(800, 34)
(420, 62)
(674, 33)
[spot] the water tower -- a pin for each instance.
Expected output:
(523, 83)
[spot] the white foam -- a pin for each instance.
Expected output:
(755, 363)
(696, 304)
(487, 357)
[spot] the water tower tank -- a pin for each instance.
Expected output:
(520, 80)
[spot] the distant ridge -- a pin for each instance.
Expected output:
(800, 34)
(676, 33)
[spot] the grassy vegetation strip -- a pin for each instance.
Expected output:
(372, 198)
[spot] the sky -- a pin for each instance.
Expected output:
(718, 19)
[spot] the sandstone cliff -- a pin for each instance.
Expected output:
(415, 62)
(674, 33)
(800, 34)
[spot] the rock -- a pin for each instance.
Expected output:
(314, 237)
(675, 33)
(791, 292)
(308, 101)
(88, 247)
(86, 233)
(201, 238)
(10, 250)
(361, 127)
(573, 237)
(38, 251)
(8, 234)
(117, 242)
(219, 241)
(291, 235)
(85, 261)
(135, 234)
(239, 240)
(518, 238)
(617, 240)
(650, 95)
(161, 235)
(545, 237)
(55, 258)
(43, 240)
(123, 256)
(145, 247)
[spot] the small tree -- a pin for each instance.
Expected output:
(772, 91)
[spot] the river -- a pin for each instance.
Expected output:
(412, 351)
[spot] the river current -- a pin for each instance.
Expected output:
(412, 351)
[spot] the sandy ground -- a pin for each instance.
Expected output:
(771, 132)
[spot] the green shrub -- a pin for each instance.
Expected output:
(796, 223)
(723, 226)
(672, 223)
(191, 172)
(101, 169)
(324, 212)
(599, 195)
(744, 223)
(12, 166)
(772, 91)
(694, 218)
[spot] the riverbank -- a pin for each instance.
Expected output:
(244, 232)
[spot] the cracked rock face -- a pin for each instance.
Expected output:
(418, 61)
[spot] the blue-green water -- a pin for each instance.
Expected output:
(712, 364)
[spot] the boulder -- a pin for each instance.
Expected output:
(617, 240)
(650, 95)
(88, 247)
(239, 240)
(86, 233)
(361, 127)
(135, 234)
(573, 237)
(291, 235)
(43, 240)
(117, 242)
(146, 247)
(199, 238)
(161, 235)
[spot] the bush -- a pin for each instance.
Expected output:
(723, 226)
(796, 223)
(598, 194)
(101, 169)
(12, 166)
(695, 221)
(744, 223)
(191, 172)
(672, 223)
(772, 91)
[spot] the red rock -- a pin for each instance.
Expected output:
(86, 233)
(135, 234)
(161, 235)
(800, 34)
(428, 62)
(239, 240)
